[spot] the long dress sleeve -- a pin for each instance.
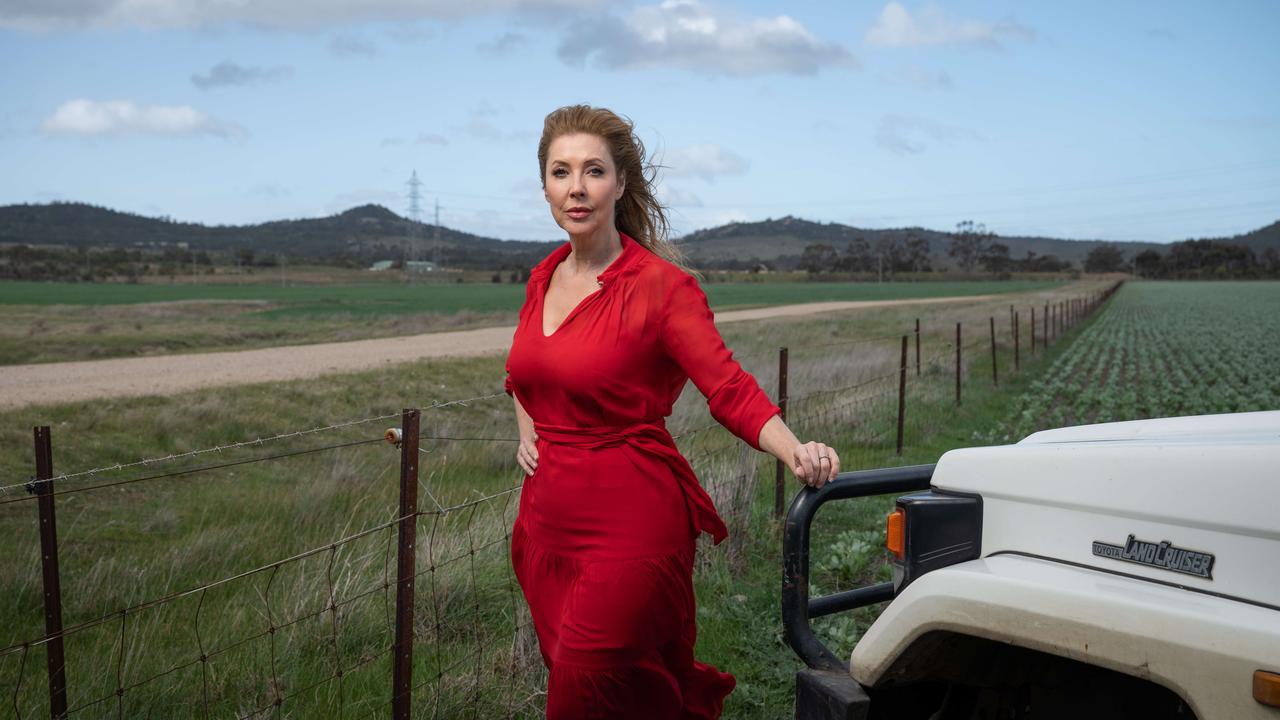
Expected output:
(690, 338)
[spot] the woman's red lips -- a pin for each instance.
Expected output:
(578, 212)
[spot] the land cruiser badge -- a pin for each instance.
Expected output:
(1161, 555)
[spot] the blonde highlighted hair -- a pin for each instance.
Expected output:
(638, 212)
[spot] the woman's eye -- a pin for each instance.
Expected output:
(596, 171)
(559, 172)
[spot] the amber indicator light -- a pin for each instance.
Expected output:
(895, 532)
(1266, 688)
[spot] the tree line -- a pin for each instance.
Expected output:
(973, 248)
(83, 264)
(1206, 260)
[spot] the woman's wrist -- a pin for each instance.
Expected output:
(778, 440)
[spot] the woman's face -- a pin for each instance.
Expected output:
(582, 184)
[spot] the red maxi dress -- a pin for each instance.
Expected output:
(603, 544)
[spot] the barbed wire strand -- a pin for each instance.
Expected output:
(258, 441)
(203, 451)
(202, 468)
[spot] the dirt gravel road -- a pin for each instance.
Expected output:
(52, 383)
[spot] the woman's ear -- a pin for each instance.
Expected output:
(622, 187)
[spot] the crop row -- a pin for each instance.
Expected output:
(1164, 349)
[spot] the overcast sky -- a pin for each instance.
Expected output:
(1114, 120)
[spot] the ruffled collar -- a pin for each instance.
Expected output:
(628, 261)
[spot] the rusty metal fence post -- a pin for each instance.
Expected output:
(902, 391)
(50, 577)
(957, 364)
(1017, 351)
(917, 347)
(402, 655)
(995, 375)
(779, 471)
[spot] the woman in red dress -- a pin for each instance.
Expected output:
(612, 327)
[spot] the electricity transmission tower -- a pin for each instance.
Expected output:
(415, 214)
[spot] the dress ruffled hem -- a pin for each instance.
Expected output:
(618, 635)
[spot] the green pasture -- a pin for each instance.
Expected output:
(475, 654)
(384, 298)
(358, 300)
(52, 322)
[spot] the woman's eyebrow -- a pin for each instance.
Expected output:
(558, 161)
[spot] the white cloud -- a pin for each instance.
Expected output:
(350, 46)
(677, 197)
(229, 73)
(278, 14)
(903, 135)
(705, 161)
(90, 118)
(897, 28)
(690, 35)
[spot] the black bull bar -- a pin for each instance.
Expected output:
(797, 607)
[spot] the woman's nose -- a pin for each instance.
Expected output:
(578, 189)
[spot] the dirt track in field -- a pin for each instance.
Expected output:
(52, 383)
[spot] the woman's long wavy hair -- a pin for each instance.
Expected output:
(638, 212)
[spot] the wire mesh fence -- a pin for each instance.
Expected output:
(327, 589)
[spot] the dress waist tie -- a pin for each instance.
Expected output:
(653, 438)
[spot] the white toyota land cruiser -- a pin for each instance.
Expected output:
(1126, 570)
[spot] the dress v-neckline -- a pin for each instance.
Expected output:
(542, 305)
(542, 319)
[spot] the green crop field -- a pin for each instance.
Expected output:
(51, 322)
(1163, 349)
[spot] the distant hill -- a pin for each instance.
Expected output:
(372, 232)
(366, 233)
(781, 242)
(1259, 239)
